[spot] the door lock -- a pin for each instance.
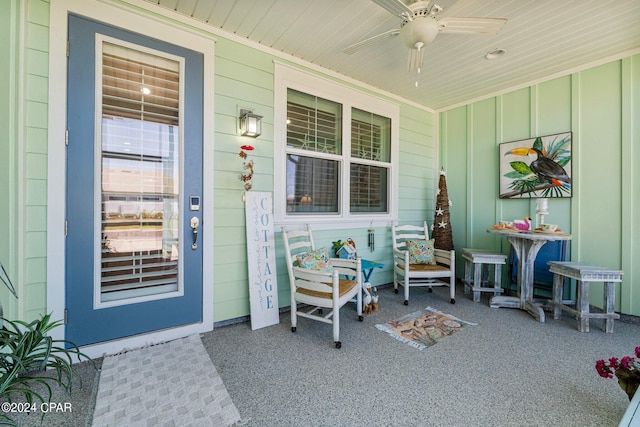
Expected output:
(195, 223)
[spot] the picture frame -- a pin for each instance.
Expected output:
(536, 167)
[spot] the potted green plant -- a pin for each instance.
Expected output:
(26, 353)
(336, 246)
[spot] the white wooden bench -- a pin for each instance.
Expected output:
(480, 261)
(584, 274)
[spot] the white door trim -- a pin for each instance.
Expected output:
(122, 17)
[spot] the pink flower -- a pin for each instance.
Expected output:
(628, 365)
(603, 370)
(613, 362)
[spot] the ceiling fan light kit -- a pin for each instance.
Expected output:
(420, 27)
(417, 34)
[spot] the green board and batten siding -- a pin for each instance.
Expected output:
(601, 105)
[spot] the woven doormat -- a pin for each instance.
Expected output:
(422, 329)
(170, 384)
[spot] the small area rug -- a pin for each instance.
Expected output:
(423, 329)
(170, 384)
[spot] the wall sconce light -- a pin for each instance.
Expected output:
(250, 124)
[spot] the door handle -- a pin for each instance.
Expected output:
(195, 223)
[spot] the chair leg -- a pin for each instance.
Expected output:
(452, 288)
(294, 316)
(396, 280)
(336, 325)
(406, 290)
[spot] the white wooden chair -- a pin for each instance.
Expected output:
(408, 274)
(315, 290)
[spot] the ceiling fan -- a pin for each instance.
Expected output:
(420, 26)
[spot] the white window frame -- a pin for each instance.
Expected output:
(287, 77)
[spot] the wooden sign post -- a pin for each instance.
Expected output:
(261, 252)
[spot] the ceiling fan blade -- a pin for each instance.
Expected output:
(484, 26)
(371, 40)
(396, 7)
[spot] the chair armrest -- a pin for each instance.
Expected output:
(347, 267)
(445, 257)
(442, 253)
(400, 254)
(343, 262)
(313, 275)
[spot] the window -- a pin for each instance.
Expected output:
(140, 173)
(370, 162)
(337, 159)
(314, 148)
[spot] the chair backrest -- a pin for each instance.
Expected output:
(295, 242)
(402, 233)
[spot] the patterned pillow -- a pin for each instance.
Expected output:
(421, 251)
(317, 260)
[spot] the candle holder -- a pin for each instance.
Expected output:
(542, 209)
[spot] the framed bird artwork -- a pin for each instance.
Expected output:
(536, 167)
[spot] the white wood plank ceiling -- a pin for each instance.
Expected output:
(542, 38)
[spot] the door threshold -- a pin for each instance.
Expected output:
(107, 348)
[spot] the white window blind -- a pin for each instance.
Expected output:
(370, 162)
(140, 176)
(313, 125)
(138, 85)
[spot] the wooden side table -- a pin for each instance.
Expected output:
(526, 245)
(584, 274)
(480, 261)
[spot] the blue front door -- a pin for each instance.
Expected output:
(134, 184)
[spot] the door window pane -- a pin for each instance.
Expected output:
(140, 173)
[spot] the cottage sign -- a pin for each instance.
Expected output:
(263, 287)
